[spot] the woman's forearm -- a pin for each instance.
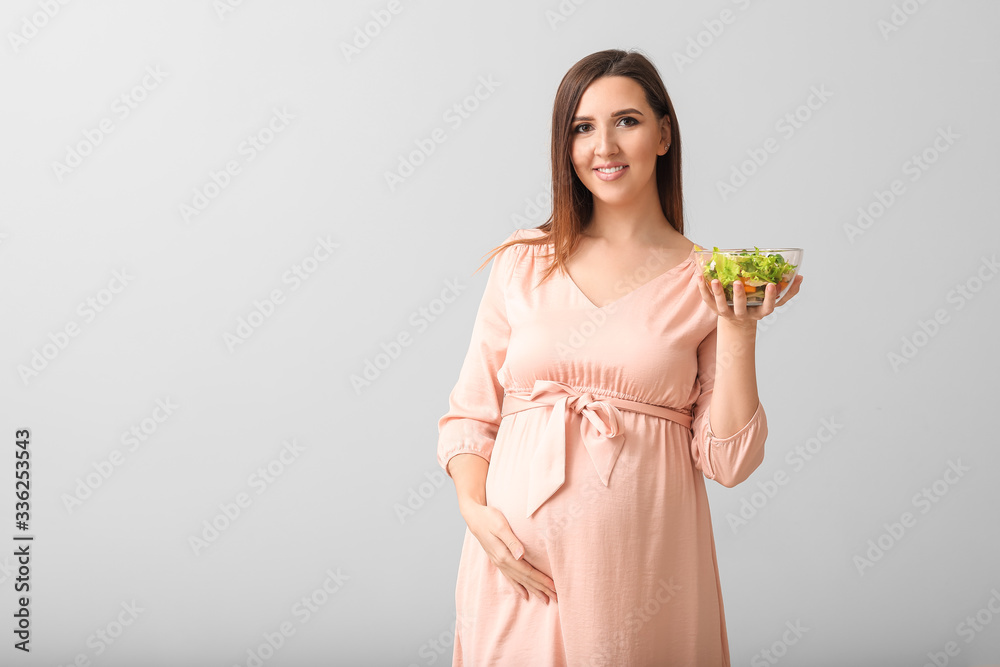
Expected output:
(734, 398)
(468, 471)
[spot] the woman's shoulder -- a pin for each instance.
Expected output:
(518, 236)
(521, 258)
(527, 233)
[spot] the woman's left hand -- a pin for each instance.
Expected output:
(738, 313)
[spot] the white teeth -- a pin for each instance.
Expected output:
(611, 170)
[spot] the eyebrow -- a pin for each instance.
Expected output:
(617, 113)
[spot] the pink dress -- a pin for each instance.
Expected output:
(595, 423)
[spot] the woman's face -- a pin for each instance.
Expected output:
(616, 140)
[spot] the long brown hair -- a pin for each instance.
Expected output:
(572, 202)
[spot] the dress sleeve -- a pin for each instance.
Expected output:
(474, 405)
(731, 460)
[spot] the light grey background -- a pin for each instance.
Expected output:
(363, 454)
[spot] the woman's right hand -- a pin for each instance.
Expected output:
(490, 527)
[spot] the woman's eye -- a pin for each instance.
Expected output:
(585, 127)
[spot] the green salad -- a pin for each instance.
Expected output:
(753, 269)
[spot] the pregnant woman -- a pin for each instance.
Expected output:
(604, 382)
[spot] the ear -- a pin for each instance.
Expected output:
(665, 134)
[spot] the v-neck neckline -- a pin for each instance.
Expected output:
(591, 304)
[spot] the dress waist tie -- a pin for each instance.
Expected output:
(601, 432)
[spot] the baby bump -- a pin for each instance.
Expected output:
(570, 517)
(507, 476)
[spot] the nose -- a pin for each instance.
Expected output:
(606, 144)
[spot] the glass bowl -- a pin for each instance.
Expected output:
(754, 267)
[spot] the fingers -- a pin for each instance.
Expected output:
(792, 291)
(770, 295)
(543, 583)
(502, 531)
(720, 297)
(706, 295)
(518, 588)
(526, 576)
(533, 580)
(715, 297)
(739, 299)
(796, 284)
(507, 553)
(515, 547)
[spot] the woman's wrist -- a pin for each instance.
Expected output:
(469, 471)
(466, 503)
(747, 327)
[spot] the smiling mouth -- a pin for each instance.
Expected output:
(610, 170)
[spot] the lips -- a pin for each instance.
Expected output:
(611, 172)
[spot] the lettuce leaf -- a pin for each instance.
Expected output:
(726, 269)
(751, 265)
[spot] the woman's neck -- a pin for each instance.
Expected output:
(629, 225)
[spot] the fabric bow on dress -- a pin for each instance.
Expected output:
(601, 432)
